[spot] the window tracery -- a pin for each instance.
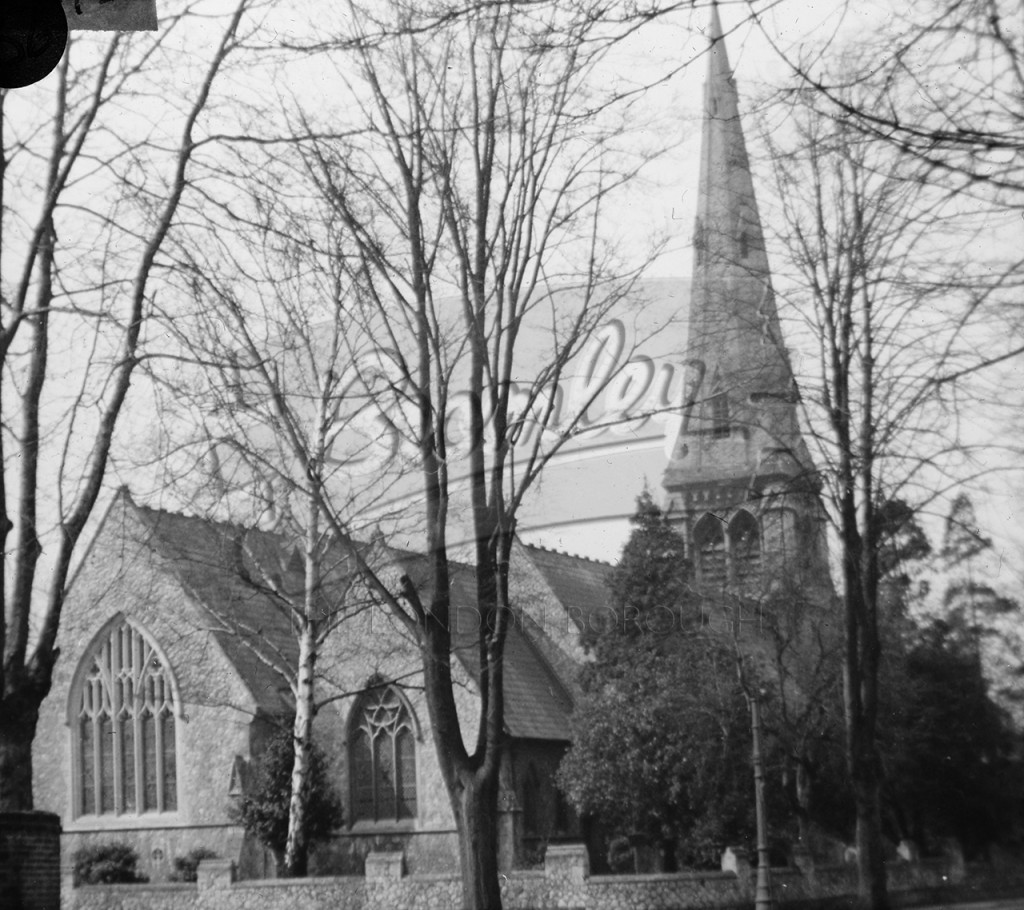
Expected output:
(382, 758)
(124, 727)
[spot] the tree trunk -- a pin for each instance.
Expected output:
(296, 853)
(18, 719)
(872, 892)
(860, 689)
(476, 803)
(866, 782)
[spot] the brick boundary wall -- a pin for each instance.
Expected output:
(564, 882)
(29, 861)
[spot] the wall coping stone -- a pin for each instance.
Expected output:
(136, 887)
(711, 875)
(560, 850)
(316, 881)
(434, 877)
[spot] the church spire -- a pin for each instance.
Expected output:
(739, 427)
(728, 232)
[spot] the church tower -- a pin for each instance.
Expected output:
(740, 481)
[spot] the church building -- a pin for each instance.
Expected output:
(740, 481)
(168, 682)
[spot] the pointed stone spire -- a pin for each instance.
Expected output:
(739, 432)
(728, 241)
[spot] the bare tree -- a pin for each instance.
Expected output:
(464, 195)
(891, 320)
(312, 596)
(794, 635)
(942, 83)
(89, 200)
(472, 205)
(261, 415)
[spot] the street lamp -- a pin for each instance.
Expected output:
(763, 888)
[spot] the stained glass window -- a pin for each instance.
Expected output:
(382, 758)
(125, 745)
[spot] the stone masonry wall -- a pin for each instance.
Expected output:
(124, 575)
(565, 883)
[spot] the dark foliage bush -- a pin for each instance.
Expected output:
(264, 808)
(186, 868)
(106, 864)
(661, 734)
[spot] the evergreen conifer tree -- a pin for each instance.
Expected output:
(660, 736)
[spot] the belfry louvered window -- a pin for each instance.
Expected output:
(382, 758)
(709, 537)
(124, 715)
(745, 547)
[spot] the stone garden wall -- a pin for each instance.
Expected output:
(564, 883)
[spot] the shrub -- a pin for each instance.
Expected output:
(186, 868)
(264, 809)
(106, 864)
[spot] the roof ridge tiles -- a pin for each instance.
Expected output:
(205, 519)
(561, 552)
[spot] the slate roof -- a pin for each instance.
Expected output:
(579, 583)
(537, 701)
(245, 618)
(229, 570)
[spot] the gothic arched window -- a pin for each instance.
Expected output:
(123, 716)
(745, 547)
(709, 538)
(382, 758)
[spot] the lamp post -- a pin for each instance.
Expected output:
(763, 888)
